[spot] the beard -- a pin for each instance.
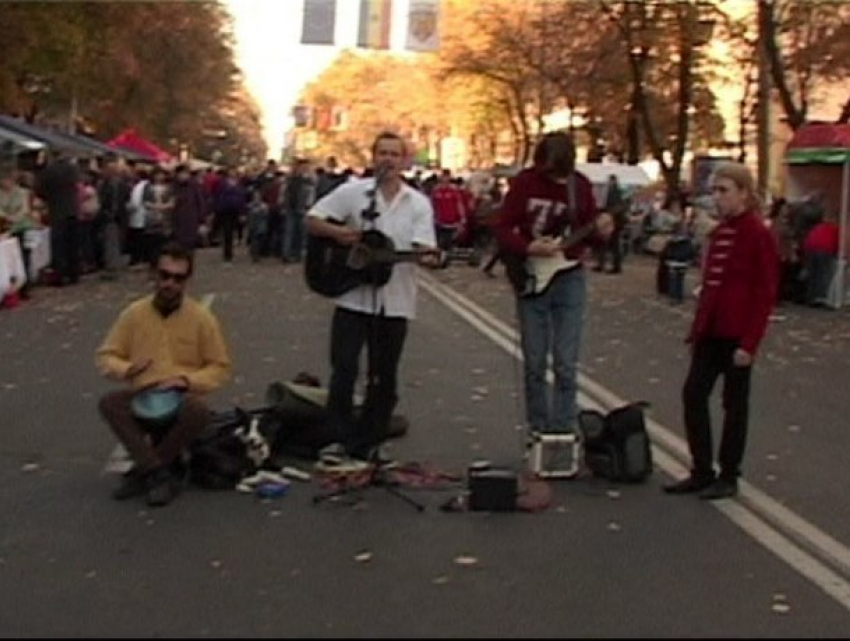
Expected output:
(167, 302)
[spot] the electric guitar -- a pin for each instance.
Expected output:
(332, 269)
(531, 275)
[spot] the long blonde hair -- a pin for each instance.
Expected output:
(739, 174)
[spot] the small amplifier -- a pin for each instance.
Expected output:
(554, 455)
(492, 489)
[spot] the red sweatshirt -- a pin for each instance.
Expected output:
(822, 238)
(739, 281)
(449, 205)
(536, 206)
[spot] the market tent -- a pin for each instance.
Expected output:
(629, 177)
(818, 159)
(129, 140)
(20, 142)
(52, 139)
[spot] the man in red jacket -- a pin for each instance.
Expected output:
(546, 204)
(739, 280)
(450, 210)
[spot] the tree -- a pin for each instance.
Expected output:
(73, 62)
(807, 43)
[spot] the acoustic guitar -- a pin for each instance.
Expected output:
(332, 269)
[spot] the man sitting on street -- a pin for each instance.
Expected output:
(164, 341)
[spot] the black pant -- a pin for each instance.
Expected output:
(614, 247)
(384, 338)
(228, 219)
(711, 358)
(64, 251)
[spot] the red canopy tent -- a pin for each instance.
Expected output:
(129, 140)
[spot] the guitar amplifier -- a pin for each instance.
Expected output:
(554, 455)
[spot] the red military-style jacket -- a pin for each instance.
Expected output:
(740, 277)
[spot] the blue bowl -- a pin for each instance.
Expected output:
(156, 405)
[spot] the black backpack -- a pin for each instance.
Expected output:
(616, 444)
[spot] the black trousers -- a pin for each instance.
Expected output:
(712, 357)
(384, 339)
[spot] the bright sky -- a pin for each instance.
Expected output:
(275, 63)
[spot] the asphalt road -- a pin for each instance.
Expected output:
(603, 561)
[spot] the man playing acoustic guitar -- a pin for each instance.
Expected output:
(374, 314)
(548, 217)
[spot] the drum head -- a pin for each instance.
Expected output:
(156, 405)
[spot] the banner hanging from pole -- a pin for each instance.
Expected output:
(423, 25)
(375, 19)
(319, 22)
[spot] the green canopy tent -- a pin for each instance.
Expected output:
(818, 159)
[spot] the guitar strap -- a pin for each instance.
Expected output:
(572, 207)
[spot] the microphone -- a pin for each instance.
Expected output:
(381, 171)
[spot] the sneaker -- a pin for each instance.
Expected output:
(133, 483)
(333, 454)
(689, 485)
(720, 489)
(162, 487)
(341, 466)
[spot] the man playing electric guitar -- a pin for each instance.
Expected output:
(375, 316)
(545, 206)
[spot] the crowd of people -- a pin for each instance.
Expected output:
(113, 215)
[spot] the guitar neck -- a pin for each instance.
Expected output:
(578, 235)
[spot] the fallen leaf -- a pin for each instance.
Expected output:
(613, 494)
(614, 527)
(363, 557)
(30, 467)
(440, 580)
(466, 561)
(793, 428)
(215, 563)
(781, 608)
(91, 574)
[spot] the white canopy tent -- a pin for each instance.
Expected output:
(629, 177)
(818, 160)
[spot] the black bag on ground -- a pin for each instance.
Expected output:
(218, 459)
(616, 444)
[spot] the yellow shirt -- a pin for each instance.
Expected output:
(186, 343)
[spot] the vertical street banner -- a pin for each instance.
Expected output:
(319, 22)
(375, 18)
(423, 25)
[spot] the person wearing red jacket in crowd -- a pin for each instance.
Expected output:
(739, 282)
(544, 203)
(820, 252)
(449, 204)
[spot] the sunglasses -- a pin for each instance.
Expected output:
(177, 277)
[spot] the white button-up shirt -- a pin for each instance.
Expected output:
(406, 220)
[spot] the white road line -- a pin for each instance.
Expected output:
(802, 545)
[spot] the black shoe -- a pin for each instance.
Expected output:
(162, 487)
(720, 489)
(689, 485)
(133, 483)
